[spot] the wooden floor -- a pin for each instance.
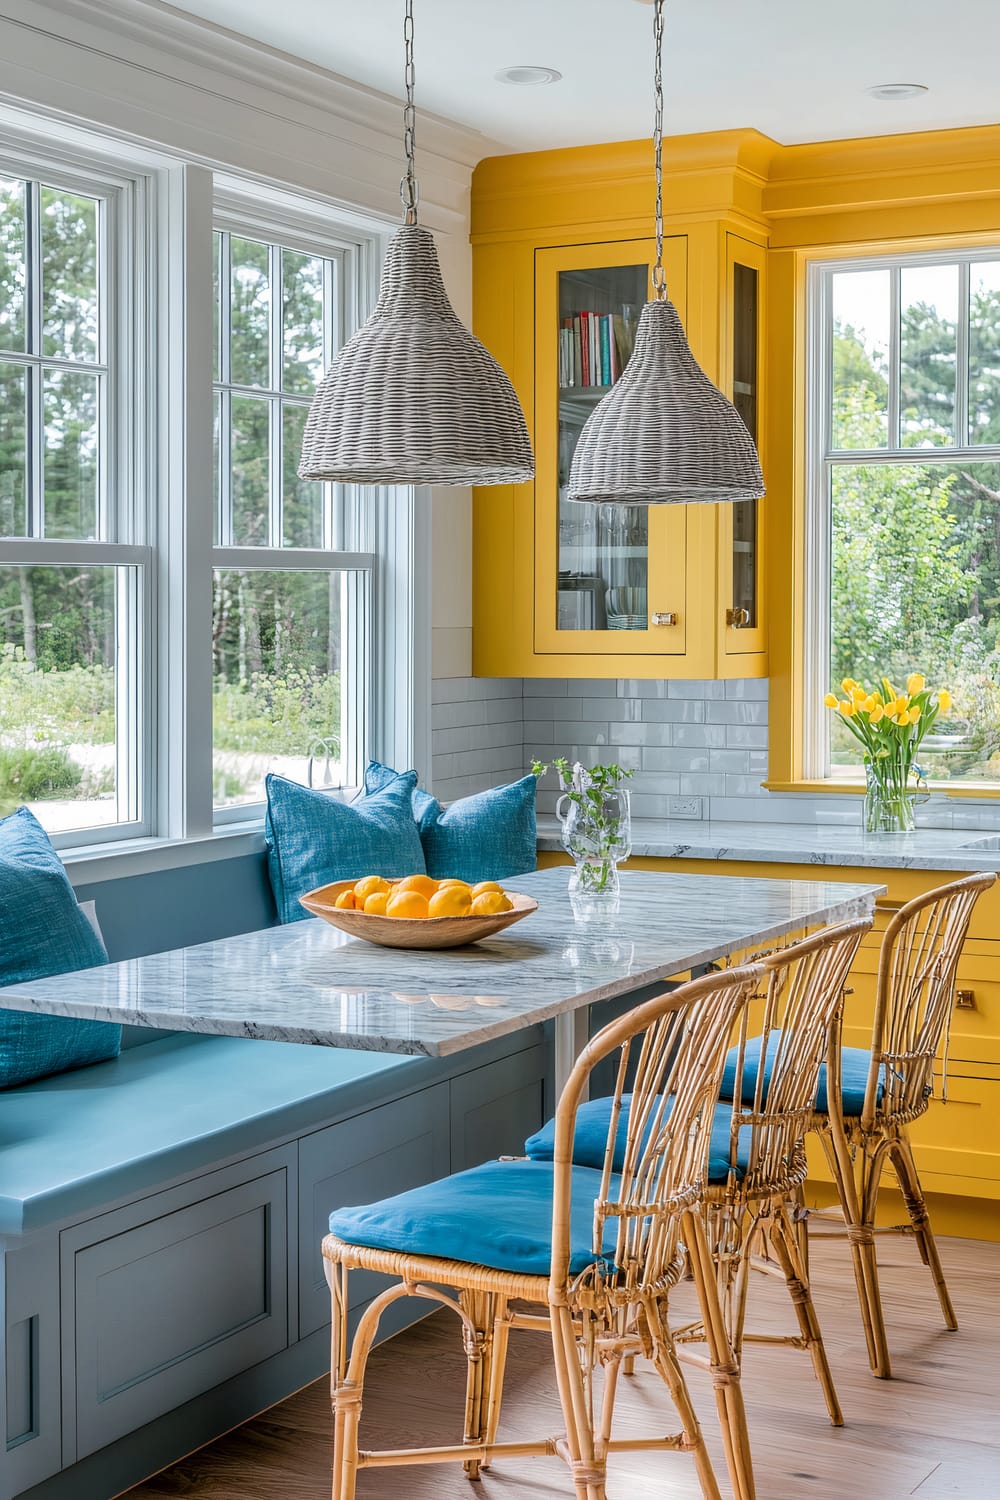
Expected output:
(931, 1432)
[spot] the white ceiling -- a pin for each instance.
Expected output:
(795, 69)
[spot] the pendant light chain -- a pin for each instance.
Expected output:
(659, 278)
(409, 191)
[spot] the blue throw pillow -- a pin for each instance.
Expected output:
(43, 931)
(488, 836)
(312, 839)
(378, 776)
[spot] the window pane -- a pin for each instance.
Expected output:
(13, 265)
(302, 516)
(71, 438)
(302, 294)
(251, 478)
(984, 353)
(277, 674)
(57, 694)
(928, 354)
(916, 587)
(13, 521)
(861, 304)
(250, 313)
(69, 275)
(216, 469)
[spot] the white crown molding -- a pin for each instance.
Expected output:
(170, 77)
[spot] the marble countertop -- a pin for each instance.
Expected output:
(805, 843)
(308, 982)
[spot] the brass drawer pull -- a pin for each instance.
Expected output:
(663, 617)
(739, 619)
(965, 1000)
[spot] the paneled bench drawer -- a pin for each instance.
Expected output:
(371, 1156)
(173, 1294)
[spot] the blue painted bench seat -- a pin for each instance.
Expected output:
(73, 1143)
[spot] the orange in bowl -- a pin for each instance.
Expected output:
(369, 885)
(485, 885)
(346, 901)
(424, 885)
(406, 903)
(490, 903)
(375, 903)
(450, 901)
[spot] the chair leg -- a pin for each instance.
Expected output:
(723, 1362)
(784, 1240)
(901, 1156)
(670, 1372)
(478, 1340)
(347, 1395)
(588, 1470)
(498, 1367)
(858, 1206)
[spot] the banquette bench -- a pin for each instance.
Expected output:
(160, 1225)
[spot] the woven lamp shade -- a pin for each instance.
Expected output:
(665, 434)
(414, 398)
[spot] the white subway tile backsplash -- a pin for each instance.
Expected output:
(747, 687)
(641, 734)
(699, 735)
(736, 711)
(703, 690)
(672, 710)
(737, 761)
(746, 736)
(669, 758)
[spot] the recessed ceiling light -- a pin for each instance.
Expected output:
(893, 91)
(527, 73)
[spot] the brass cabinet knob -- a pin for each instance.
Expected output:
(739, 619)
(663, 617)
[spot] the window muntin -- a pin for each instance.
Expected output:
(74, 599)
(289, 613)
(906, 500)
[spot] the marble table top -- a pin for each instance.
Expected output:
(308, 982)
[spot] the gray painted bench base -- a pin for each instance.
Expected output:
(141, 1326)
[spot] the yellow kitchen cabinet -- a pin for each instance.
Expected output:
(562, 256)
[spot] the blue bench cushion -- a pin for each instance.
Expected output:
(855, 1063)
(488, 836)
(497, 1215)
(43, 931)
(593, 1121)
(170, 1108)
(312, 839)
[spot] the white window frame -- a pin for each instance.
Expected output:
(822, 457)
(127, 278)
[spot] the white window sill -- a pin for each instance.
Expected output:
(95, 862)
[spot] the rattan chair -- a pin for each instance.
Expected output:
(597, 1252)
(913, 1007)
(768, 1114)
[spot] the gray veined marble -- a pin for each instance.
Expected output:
(959, 849)
(310, 983)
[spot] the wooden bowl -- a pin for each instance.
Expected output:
(412, 932)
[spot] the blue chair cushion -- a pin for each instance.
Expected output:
(43, 931)
(488, 836)
(593, 1120)
(855, 1063)
(312, 839)
(497, 1215)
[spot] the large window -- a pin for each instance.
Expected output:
(179, 613)
(289, 620)
(74, 576)
(905, 513)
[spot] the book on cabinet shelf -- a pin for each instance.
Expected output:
(594, 348)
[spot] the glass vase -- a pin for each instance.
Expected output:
(889, 806)
(598, 838)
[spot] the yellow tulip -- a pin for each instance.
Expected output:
(902, 719)
(915, 683)
(847, 684)
(847, 708)
(830, 700)
(914, 714)
(869, 704)
(876, 714)
(889, 689)
(944, 701)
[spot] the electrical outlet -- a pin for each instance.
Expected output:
(685, 807)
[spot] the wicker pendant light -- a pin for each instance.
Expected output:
(414, 398)
(665, 435)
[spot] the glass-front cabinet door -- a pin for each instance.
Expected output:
(740, 599)
(610, 579)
